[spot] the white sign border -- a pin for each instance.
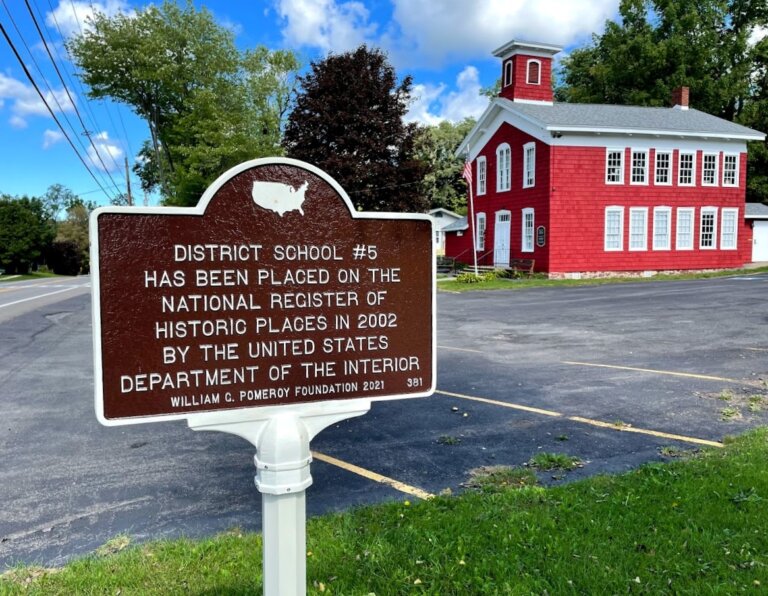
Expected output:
(252, 412)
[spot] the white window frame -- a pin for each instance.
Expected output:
(503, 168)
(668, 180)
(528, 231)
(667, 231)
(482, 175)
(692, 169)
(731, 241)
(508, 69)
(641, 173)
(529, 165)
(609, 211)
(608, 168)
(726, 170)
(635, 212)
(713, 171)
(680, 239)
(707, 211)
(528, 72)
(480, 227)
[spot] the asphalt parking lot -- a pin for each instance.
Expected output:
(611, 374)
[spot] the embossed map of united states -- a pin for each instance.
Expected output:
(279, 197)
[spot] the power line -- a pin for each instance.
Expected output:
(53, 94)
(72, 101)
(76, 82)
(48, 107)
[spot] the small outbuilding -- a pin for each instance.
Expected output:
(592, 190)
(441, 219)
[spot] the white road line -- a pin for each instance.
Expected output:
(42, 296)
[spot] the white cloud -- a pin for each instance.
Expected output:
(423, 98)
(51, 137)
(24, 100)
(431, 32)
(17, 122)
(441, 29)
(71, 17)
(432, 104)
(109, 150)
(328, 25)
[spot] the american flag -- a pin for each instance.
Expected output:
(467, 173)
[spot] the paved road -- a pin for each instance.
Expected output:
(19, 297)
(553, 369)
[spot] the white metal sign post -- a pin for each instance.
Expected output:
(271, 311)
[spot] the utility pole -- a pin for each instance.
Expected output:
(128, 183)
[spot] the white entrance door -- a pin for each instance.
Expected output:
(760, 241)
(501, 238)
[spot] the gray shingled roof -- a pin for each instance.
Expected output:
(608, 118)
(457, 226)
(756, 211)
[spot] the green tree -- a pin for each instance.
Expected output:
(25, 232)
(208, 106)
(435, 146)
(659, 45)
(72, 244)
(348, 121)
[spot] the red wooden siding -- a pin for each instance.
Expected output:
(580, 197)
(520, 89)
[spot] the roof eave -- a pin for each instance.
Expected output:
(654, 132)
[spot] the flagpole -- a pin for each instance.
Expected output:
(468, 178)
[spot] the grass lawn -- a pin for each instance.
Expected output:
(540, 280)
(27, 276)
(695, 525)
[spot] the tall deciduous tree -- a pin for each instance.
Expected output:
(348, 121)
(435, 146)
(25, 232)
(207, 105)
(658, 45)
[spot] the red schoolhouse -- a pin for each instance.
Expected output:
(588, 190)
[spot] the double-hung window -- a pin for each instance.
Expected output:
(527, 230)
(529, 165)
(482, 175)
(638, 228)
(503, 168)
(708, 228)
(663, 168)
(614, 229)
(687, 169)
(639, 167)
(728, 228)
(480, 231)
(662, 228)
(730, 169)
(614, 166)
(709, 169)
(684, 235)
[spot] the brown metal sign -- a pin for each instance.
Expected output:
(272, 291)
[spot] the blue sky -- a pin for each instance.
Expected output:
(446, 45)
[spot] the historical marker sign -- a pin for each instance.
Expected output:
(272, 291)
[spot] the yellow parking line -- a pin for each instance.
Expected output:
(644, 431)
(402, 487)
(589, 421)
(503, 404)
(460, 349)
(657, 372)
